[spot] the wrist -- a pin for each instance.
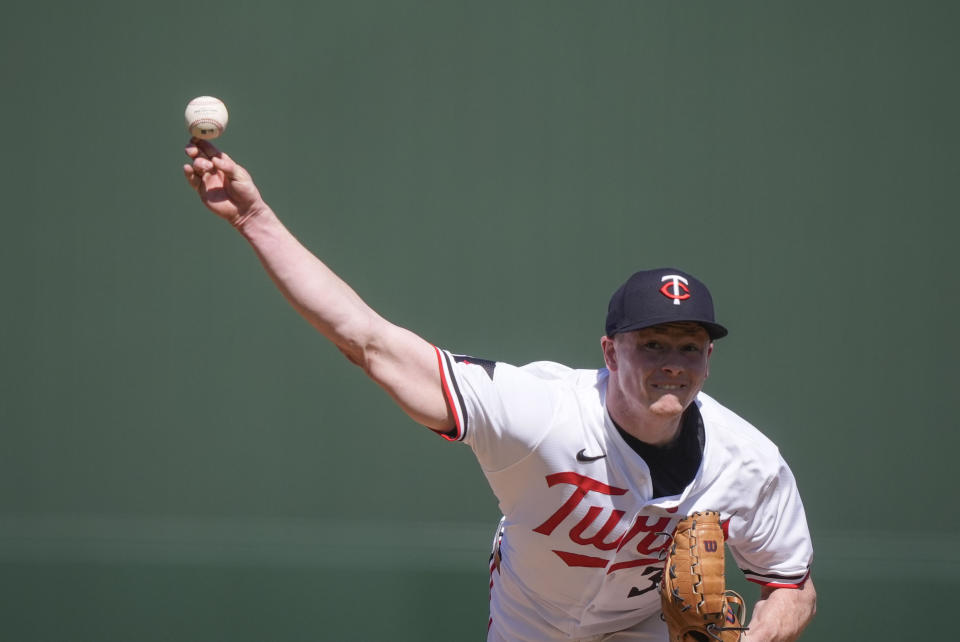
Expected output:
(242, 221)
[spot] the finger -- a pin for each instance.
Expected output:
(206, 148)
(228, 166)
(212, 189)
(225, 164)
(210, 182)
(191, 176)
(202, 165)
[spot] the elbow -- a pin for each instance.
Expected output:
(356, 340)
(356, 357)
(367, 355)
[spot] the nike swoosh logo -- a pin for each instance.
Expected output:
(585, 458)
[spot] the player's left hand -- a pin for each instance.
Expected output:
(693, 595)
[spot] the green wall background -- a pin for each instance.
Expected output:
(183, 458)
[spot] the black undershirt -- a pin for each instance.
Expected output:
(674, 465)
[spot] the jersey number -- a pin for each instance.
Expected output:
(654, 575)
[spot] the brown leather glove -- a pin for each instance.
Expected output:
(696, 606)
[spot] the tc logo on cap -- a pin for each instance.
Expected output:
(675, 287)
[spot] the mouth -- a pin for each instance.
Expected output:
(669, 387)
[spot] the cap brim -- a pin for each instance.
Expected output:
(714, 330)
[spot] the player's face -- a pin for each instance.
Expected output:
(661, 369)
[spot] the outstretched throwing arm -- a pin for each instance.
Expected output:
(401, 362)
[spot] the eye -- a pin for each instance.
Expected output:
(692, 347)
(652, 345)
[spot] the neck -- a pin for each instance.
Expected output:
(647, 427)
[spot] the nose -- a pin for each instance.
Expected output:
(672, 363)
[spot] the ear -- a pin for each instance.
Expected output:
(709, 352)
(609, 353)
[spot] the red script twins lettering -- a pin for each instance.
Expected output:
(653, 539)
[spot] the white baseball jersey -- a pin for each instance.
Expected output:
(583, 538)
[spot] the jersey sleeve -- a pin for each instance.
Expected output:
(773, 546)
(501, 411)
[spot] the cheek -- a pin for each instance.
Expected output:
(703, 369)
(639, 368)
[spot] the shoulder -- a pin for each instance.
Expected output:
(583, 387)
(735, 447)
(538, 389)
(564, 375)
(504, 412)
(734, 429)
(542, 370)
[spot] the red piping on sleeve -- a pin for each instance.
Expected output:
(450, 402)
(790, 585)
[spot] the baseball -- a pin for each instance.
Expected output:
(206, 117)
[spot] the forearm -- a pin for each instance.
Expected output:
(315, 291)
(782, 614)
(395, 358)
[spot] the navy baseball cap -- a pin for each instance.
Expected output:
(664, 295)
